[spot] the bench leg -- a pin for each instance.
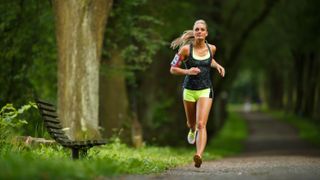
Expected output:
(75, 153)
(84, 152)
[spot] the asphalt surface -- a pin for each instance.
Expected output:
(273, 151)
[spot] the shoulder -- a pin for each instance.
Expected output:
(185, 50)
(213, 48)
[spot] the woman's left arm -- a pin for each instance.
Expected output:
(220, 69)
(214, 64)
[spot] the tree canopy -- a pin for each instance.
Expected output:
(269, 48)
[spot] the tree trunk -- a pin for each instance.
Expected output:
(299, 66)
(275, 90)
(114, 105)
(136, 127)
(136, 131)
(289, 92)
(316, 109)
(310, 79)
(80, 27)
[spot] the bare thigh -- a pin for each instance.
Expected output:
(202, 110)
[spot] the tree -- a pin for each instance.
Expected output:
(129, 49)
(79, 30)
(284, 50)
(25, 31)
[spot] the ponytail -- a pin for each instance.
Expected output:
(186, 38)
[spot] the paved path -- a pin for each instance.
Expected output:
(273, 151)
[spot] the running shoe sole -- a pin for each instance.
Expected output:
(197, 161)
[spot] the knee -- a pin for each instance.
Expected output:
(201, 125)
(190, 125)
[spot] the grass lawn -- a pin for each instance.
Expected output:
(21, 162)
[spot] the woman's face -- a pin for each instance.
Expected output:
(200, 31)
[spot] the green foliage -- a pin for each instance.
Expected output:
(283, 53)
(113, 159)
(300, 23)
(27, 52)
(137, 30)
(160, 113)
(10, 120)
(27, 56)
(109, 160)
(132, 33)
(230, 140)
(147, 159)
(244, 87)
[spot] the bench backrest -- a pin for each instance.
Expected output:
(52, 122)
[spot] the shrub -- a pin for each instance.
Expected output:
(10, 120)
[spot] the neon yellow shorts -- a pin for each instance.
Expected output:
(194, 95)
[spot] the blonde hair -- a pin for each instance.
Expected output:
(187, 36)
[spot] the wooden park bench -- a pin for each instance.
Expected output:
(55, 129)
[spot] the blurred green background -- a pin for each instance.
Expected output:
(270, 50)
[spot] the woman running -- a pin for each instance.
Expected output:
(197, 55)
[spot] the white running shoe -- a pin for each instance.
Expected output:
(192, 135)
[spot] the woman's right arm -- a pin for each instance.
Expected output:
(176, 62)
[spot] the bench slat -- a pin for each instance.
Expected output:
(56, 136)
(53, 125)
(46, 107)
(39, 101)
(80, 143)
(51, 119)
(56, 131)
(49, 113)
(59, 136)
(65, 142)
(101, 142)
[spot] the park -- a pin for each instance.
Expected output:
(96, 89)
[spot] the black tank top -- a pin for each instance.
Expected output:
(201, 80)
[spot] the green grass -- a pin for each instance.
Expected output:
(21, 162)
(308, 130)
(113, 159)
